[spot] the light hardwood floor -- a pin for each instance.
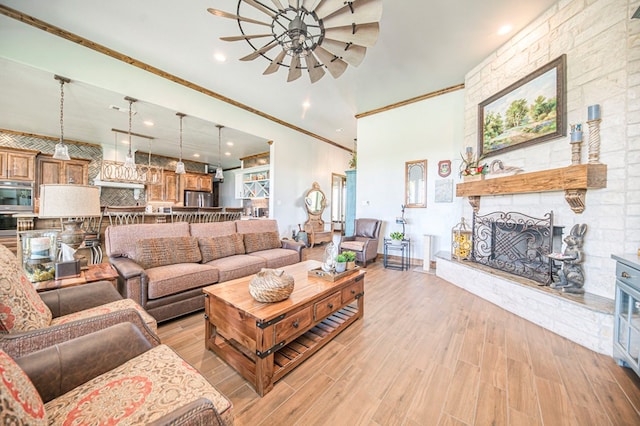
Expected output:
(428, 353)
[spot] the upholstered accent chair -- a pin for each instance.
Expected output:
(112, 376)
(364, 242)
(30, 321)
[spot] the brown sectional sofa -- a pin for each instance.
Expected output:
(163, 267)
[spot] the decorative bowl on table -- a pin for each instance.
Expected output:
(271, 285)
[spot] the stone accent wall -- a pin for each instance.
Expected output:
(602, 45)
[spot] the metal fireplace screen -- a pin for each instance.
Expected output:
(515, 243)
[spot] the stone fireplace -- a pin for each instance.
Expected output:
(516, 243)
(510, 268)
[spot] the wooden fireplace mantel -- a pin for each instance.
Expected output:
(573, 180)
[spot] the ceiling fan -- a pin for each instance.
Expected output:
(329, 34)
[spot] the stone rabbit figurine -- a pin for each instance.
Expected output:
(571, 275)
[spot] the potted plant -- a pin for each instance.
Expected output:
(351, 258)
(341, 262)
(396, 237)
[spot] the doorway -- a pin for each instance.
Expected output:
(338, 201)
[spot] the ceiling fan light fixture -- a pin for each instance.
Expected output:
(61, 151)
(303, 27)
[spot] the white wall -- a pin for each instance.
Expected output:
(431, 129)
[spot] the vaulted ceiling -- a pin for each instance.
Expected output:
(423, 46)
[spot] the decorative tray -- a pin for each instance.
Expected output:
(332, 276)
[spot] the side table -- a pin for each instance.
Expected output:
(96, 272)
(404, 247)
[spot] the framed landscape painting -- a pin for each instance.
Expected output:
(530, 111)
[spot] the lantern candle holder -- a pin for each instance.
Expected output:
(461, 241)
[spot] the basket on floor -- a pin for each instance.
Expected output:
(271, 285)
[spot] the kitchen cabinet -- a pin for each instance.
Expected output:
(170, 187)
(17, 164)
(197, 182)
(167, 190)
(52, 171)
(252, 183)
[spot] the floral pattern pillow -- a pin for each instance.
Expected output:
(21, 309)
(20, 403)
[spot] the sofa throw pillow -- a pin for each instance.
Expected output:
(154, 252)
(21, 309)
(261, 241)
(213, 248)
(21, 403)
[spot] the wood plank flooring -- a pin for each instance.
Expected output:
(428, 353)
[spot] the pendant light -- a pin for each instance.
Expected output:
(61, 150)
(129, 161)
(180, 165)
(219, 174)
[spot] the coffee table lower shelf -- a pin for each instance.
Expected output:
(288, 356)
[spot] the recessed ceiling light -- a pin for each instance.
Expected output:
(148, 123)
(196, 155)
(229, 143)
(125, 141)
(339, 130)
(505, 29)
(220, 57)
(306, 104)
(228, 154)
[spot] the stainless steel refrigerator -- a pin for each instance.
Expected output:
(198, 199)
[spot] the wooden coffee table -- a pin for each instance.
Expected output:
(265, 341)
(97, 272)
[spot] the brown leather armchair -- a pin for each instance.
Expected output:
(364, 242)
(115, 374)
(30, 321)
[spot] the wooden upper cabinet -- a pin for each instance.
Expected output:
(197, 182)
(51, 171)
(171, 187)
(17, 165)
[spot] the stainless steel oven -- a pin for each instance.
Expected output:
(15, 197)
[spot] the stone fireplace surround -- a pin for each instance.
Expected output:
(584, 319)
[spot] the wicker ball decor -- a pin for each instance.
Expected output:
(271, 285)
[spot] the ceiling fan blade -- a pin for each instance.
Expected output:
(335, 65)
(264, 49)
(365, 34)
(223, 14)
(294, 69)
(350, 53)
(310, 5)
(316, 71)
(244, 37)
(260, 7)
(277, 4)
(275, 64)
(327, 7)
(364, 12)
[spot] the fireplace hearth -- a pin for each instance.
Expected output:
(517, 243)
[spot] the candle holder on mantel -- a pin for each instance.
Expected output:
(594, 133)
(576, 143)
